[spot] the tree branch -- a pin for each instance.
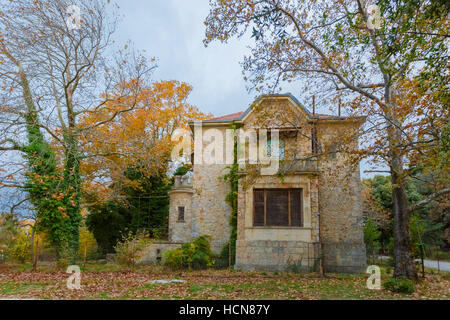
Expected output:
(427, 200)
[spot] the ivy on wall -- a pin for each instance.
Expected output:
(229, 249)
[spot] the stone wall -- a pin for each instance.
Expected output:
(180, 231)
(277, 255)
(278, 248)
(153, 253)
(334, 193)
(211, 212)
(340, 204)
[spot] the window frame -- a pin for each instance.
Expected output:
(183, 213)
(289, 190)
(281, 147)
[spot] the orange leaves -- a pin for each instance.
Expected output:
(139, 137)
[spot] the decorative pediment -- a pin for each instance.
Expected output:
(275, 111)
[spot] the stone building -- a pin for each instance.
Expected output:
(311, 211)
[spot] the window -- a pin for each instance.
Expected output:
(180, 213)
(277, 207)
(280, 147)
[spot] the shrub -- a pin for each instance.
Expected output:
(21, 249)
(399, 284)
(88, 248)
(173, 258)
(62, 263)
(130, 249)
(371, 238)
(194, 255)
(222, 260)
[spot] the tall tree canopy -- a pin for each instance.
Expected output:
(54, 69)
(138, 139)
(126, 185)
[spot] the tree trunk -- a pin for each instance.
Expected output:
(403, 262)
(32, 244)
(36, 255)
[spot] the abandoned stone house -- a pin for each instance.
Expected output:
(294, 219)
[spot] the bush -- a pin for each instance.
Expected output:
(222, 260)
(88, 248)
(400, 285)
(62, 263)
(130, 249)
(21, 249)
(173, 258)
(194, 255)
(371, 238)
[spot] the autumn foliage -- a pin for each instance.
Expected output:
(139, 138)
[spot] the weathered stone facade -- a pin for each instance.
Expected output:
(153, 252)
(331, 196)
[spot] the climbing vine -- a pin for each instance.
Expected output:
(233, 178)
(44, 182)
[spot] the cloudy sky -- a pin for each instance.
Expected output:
(173, 31)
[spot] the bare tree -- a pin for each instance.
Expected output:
(55, 67)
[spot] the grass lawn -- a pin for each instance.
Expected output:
(110, 282)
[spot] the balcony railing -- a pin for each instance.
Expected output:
(290, 166)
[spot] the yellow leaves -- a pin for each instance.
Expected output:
(140, 136)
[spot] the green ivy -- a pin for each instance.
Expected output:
(47, 190)
(232, 177)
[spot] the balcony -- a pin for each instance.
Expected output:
(299, 166)
(288, 166)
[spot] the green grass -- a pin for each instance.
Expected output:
(111, 282)
(13, 288)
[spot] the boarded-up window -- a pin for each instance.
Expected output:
(180, 213)
(258, 216)
(277, 207)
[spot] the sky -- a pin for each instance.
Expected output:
(173, 32)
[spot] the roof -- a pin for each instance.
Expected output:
(241, 115)
(228, 117)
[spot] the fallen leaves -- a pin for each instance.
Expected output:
(207, 284)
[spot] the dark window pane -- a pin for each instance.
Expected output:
(180, 213)
(296, 207)
(277, 213)
(258, 212)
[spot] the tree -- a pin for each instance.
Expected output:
(139, 209)
(139, 141)
(383, 68)
(54, 69)
(9, 231)
(428, 224)
(126, 186)
(88, 245)
(371, 238)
